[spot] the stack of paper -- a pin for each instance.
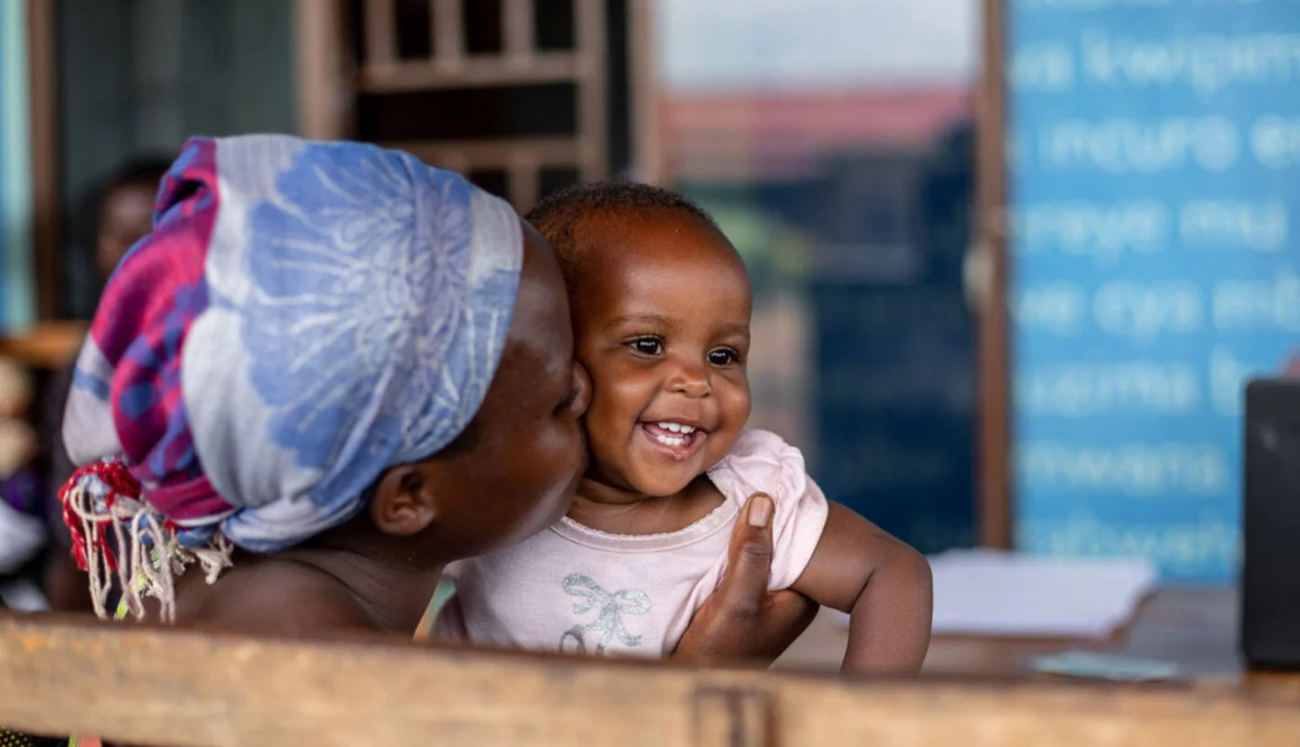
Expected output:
(992, 593)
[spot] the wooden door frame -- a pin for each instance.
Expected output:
(324, 103)
(647, 132)
(993, 372)
(43, 93)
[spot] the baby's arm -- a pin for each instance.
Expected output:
(884, 584)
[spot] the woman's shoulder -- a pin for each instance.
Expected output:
(271, 596)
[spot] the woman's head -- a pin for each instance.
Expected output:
(310, 325)
(661, 308)
(513, 471)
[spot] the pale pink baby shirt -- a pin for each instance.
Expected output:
(575, 589)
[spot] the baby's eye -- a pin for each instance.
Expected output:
(647, 346)
(723, 357)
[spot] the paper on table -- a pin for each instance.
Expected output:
(993, 593)
(1094, 665)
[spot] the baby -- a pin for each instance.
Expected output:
(661, 310)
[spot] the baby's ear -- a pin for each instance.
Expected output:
(402, 505)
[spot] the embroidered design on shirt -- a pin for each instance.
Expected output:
(609, 625)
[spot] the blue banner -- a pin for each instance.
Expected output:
(1154, 150)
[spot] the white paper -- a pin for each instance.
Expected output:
(999, 594)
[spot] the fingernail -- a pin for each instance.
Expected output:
(760, 510)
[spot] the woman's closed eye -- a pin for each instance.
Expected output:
(578, 397)
(569, 400)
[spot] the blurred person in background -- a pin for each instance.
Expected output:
(122, 211)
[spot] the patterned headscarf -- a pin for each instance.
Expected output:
(303, 316)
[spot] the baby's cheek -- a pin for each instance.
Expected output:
(721, 442)
(736, 405)
(606, 449)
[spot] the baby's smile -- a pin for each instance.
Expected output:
(677, 440)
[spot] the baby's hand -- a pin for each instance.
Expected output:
(742, 621)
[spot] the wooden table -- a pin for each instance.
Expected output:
(1195, 628)
(195, 688)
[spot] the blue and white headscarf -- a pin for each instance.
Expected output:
(303, 316)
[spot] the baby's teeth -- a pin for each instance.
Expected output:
(677, 427)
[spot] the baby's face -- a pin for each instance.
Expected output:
(662, 325)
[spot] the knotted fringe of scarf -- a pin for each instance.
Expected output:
(104, 497)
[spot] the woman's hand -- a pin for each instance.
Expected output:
(742, 621)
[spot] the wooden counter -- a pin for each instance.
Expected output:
(188, 688)
(1195, 628)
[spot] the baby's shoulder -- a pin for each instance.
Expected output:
(761, 461)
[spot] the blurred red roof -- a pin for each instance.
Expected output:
(781, 136)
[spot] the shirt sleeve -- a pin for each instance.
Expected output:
(763, 462)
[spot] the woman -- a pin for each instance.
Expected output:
(327, 372)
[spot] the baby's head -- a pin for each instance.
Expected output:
(661, 306)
